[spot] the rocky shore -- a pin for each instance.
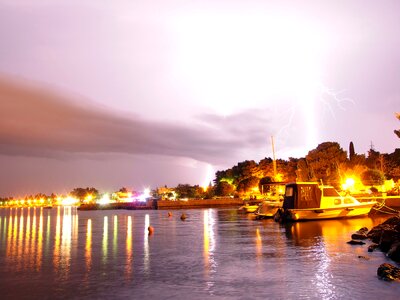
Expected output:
(385, 237)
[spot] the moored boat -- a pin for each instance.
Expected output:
(273, 202)
(267, 209)
(311, 201)
(249, 208)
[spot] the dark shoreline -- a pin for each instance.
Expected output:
(168, 204)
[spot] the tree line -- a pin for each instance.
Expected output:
(328, 163)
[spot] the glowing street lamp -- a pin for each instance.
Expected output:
(89, 198)
(69, 201)
(105, 199)
(349, 184)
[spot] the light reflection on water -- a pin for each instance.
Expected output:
(88, 247)
(105, 240)
(146, 243)
(209, 249)
(115, 236)
(65, 253)
(129, 257)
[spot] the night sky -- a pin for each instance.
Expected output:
(147, 93)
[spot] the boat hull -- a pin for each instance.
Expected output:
(328, 213)
(249, 208)
(267, 209)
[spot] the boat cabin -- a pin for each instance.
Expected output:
(302, 195)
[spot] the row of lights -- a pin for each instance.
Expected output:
(71, 201)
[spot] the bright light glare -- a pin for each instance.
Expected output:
(105, 199)
(349, 184)
(234, 61)
(146, 192)
(69, 201)
(208, 177)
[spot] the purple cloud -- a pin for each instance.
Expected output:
(38, 122)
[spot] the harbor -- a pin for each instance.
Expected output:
(215, 253)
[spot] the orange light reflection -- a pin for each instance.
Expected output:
(105, 239)
(88, 246)
(129, 257)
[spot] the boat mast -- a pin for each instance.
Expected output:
(273, 156)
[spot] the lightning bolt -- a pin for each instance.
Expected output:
(307, 107)
(328, 95)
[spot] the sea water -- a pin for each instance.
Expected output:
(63, 253)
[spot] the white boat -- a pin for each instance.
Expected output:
(267, 209)
(311, 201)
(249, 208)
(273, 202)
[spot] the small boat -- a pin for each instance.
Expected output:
(311, 201)
(268, 208)
(249, 208)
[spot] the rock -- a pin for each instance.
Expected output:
(394, 252)
(375, 233)
(388, 238)
(359, 236)
(363, 230)
(372, 247)
(385, 234)
(392, 221)
(388, 272)
(363, 257)
(354, 242)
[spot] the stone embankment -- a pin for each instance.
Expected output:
(168, 204)
(386, 237)
(199, 203)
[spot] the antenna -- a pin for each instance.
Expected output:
(372, 146)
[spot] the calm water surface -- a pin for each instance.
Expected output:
(216, 253)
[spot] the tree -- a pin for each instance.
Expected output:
(188, 191)
(324, 162)
(351, 151)
(372, 177)
(286, 169)
(224, 188)
(250, 168)
(266, 167)
(81, 193)
(397, 132)
(304, 172)
(373, 159)
(123, 190)
(248, 185)
(391, 165)
(356, 160)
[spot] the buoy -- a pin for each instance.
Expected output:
(169, 214)
(183, 217)
(150, 229)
